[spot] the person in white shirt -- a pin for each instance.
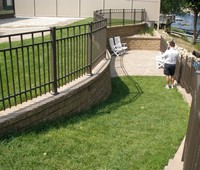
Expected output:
(170, 56)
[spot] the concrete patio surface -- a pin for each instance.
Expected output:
(136, 62)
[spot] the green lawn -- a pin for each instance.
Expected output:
(120, 22)
(139, 127)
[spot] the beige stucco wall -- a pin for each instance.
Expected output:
(80, 8)
(87, 7)
(151, 6)
(119, 4)
(66, 10)
(43, 9)
(24, 8)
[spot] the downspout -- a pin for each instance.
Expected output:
(79, 8)
(34, 9)
(103, 4)
(158, 15)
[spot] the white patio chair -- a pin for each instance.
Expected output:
(119, 44)
(115, 49)
(160, 61)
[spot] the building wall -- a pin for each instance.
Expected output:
(42, 10)
(119, 4)
(87, 7)
(24, 8)
(80, 8)
(151, 6)
(65, 10)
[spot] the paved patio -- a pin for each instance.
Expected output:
(136, 62)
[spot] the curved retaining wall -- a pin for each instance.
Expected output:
(75, 97)
(123, 31)
(143, 43)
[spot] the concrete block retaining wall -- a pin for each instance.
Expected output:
(124, 31)
(79, 95)
(142, 43)
(128, 35)
(75, 97)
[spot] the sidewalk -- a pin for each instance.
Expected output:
(28, 24)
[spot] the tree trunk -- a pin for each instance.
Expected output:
(195, 35)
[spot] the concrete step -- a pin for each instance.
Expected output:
(174, 164)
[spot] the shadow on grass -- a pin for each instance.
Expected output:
(125, 90)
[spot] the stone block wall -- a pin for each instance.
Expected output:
(124, 31)
(73, 98)
(128, 35)
(142, 43)
(163, 45)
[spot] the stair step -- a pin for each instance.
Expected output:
(174, 165)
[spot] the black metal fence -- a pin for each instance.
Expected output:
(34, 63)
(121, 16)
(188, 75)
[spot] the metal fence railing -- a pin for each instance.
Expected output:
(188, 75)
(121, 16)
(35, 63)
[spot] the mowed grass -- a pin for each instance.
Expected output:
(139, 127)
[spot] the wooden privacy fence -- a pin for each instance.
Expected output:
(185, 73)
(188, 75)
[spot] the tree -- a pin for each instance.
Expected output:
(171, 6)
(194, 6)
(174, 7)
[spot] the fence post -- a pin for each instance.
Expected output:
(198, 81)
(142, 15)
(110, 17)
(53, 61)
(134, 15)
(123, 17)
(89, 71)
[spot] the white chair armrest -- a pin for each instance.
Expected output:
(124, 44)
